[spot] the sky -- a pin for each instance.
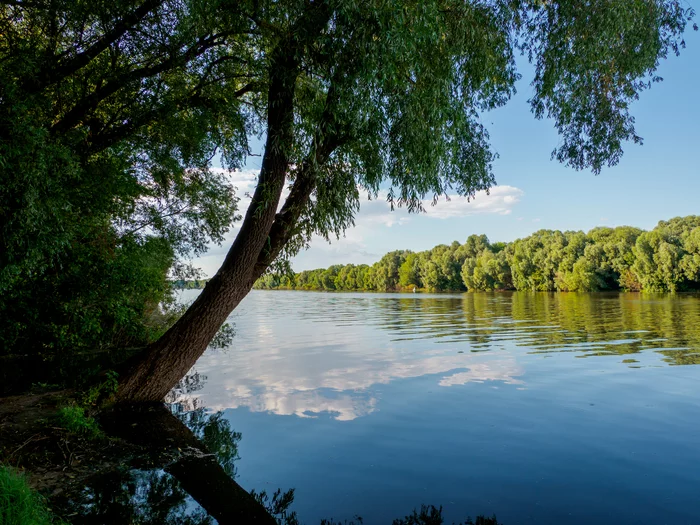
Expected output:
(655, 181)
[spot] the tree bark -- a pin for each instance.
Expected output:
(153, 373)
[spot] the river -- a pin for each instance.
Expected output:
(564, 409)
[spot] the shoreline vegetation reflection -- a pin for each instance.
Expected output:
(326, 355)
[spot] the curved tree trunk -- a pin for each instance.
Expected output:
(151, 375)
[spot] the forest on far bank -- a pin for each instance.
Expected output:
(665, 259)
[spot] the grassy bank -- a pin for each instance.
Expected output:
(19, 504)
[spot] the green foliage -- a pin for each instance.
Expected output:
(487, 271)
(19, 505)
(535, 260)
(104, 163)
(74, 419)
(409, 271)
(386, 274)
(103, 295)
(666, 259)
(101, 391)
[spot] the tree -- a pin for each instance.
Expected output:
(617, 256)
(109, 115)
(535, 260)
(409, 272)
(386, 271)
(431, 270)
(347, 93)
(666, 257)
(488, 271)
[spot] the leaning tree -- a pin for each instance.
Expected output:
(350, 95)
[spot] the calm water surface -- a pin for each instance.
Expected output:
(559, 409)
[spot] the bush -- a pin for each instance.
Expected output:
(74, 420)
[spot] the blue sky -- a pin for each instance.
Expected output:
(655, 181)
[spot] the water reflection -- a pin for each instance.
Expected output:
(616, 323)
(308, 354)
(182, 471)
(549, 409)
(168, 491)
(134, 496)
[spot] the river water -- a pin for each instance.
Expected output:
(564, 409)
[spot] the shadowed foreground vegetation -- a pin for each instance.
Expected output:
(665, 259)
(19, 504)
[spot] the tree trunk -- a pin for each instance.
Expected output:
(151, 375)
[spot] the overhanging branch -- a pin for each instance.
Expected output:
(63, 69)
(91, 101)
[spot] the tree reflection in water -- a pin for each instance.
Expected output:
(188, 477)
(135, 496)
(157, 498)
(179, 487)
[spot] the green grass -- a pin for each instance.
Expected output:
(74, 419)
(19, 505)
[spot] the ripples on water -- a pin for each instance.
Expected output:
(371, 404)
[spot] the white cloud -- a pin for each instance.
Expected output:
(268, 377)
(308, 354)
(500, 200)
(376, 221)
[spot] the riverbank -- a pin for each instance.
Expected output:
(55, 459)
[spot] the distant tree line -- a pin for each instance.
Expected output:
(665, 259)
(189, 284)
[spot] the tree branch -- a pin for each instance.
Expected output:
(150, 223)
(91, 101)
(62, 70)
(283, 229)
(107, 139)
